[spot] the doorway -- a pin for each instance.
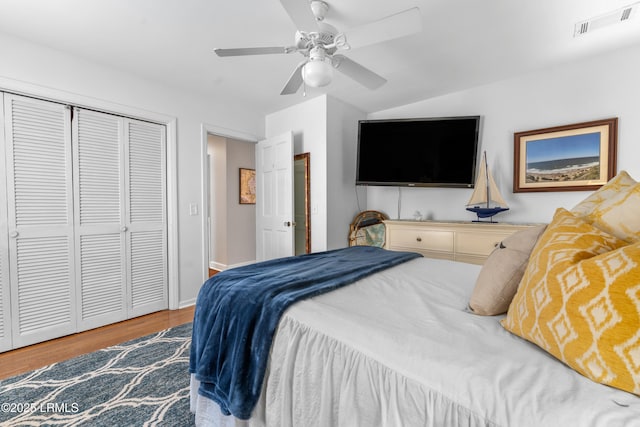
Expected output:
(217, 227)
(230, 221)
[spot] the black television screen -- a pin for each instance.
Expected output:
(426, 152)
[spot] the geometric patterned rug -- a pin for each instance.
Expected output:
(143, 382)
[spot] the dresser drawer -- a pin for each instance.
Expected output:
(414, 238)
(478, 243)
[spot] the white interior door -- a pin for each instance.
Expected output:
(274, 198)
(146, 218)
(5, 306)
(99, 218)
(40, 219)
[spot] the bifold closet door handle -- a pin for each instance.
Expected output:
(123, 228)
(13, 234)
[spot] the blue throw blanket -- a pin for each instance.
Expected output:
(238, 310)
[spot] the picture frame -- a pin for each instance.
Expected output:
(576, 157)
(247, 186)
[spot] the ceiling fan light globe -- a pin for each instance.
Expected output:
(318, 72)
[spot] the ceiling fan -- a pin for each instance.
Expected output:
(318, 42)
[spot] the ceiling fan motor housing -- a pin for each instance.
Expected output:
(319, 9)
(324, 37)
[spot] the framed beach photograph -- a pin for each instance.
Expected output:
(247, 186)
(574, 157)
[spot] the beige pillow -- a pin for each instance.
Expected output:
(502, 271)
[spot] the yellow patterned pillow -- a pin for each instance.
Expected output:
(614, 208)
(580, 300)
(618, 183)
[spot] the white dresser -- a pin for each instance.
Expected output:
(461, 241)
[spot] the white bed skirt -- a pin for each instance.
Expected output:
(399, 349)
(326, 381)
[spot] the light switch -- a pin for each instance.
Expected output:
(193, 209)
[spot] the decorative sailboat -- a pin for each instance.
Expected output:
(485, 194)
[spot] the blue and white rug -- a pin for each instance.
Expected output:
(144, 382)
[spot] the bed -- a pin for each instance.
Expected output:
(401, 347)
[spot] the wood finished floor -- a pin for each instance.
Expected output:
(35, 356)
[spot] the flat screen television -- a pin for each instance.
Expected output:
(423, 152)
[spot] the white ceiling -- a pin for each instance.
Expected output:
(464, 43)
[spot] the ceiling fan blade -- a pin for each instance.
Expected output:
(242, 51)
(399, 25)
(295, 81)
(357, 72)
(300, 13)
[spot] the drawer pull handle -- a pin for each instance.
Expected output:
(419, 239)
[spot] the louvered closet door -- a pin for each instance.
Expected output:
(5, 303)
(146, 217)
(98, 150)
(40, 219)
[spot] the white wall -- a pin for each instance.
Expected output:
(342, 144)
(43, 71)
(326, 128)
(233, 226)
(217, 150)
(241, 219)
(598, 88)
(308, 122)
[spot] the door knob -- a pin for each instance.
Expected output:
(287, 223)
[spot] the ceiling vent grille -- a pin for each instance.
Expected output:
(605, 20)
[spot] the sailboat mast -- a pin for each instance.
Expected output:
(486, 170)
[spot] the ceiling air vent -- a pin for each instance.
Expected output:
(607, 19)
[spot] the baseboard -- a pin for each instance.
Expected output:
(217, 266)
(187, 303)
(221, 267)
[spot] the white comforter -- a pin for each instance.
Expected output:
(400, 349)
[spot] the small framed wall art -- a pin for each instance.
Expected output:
(580, 156)
(247, 186)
